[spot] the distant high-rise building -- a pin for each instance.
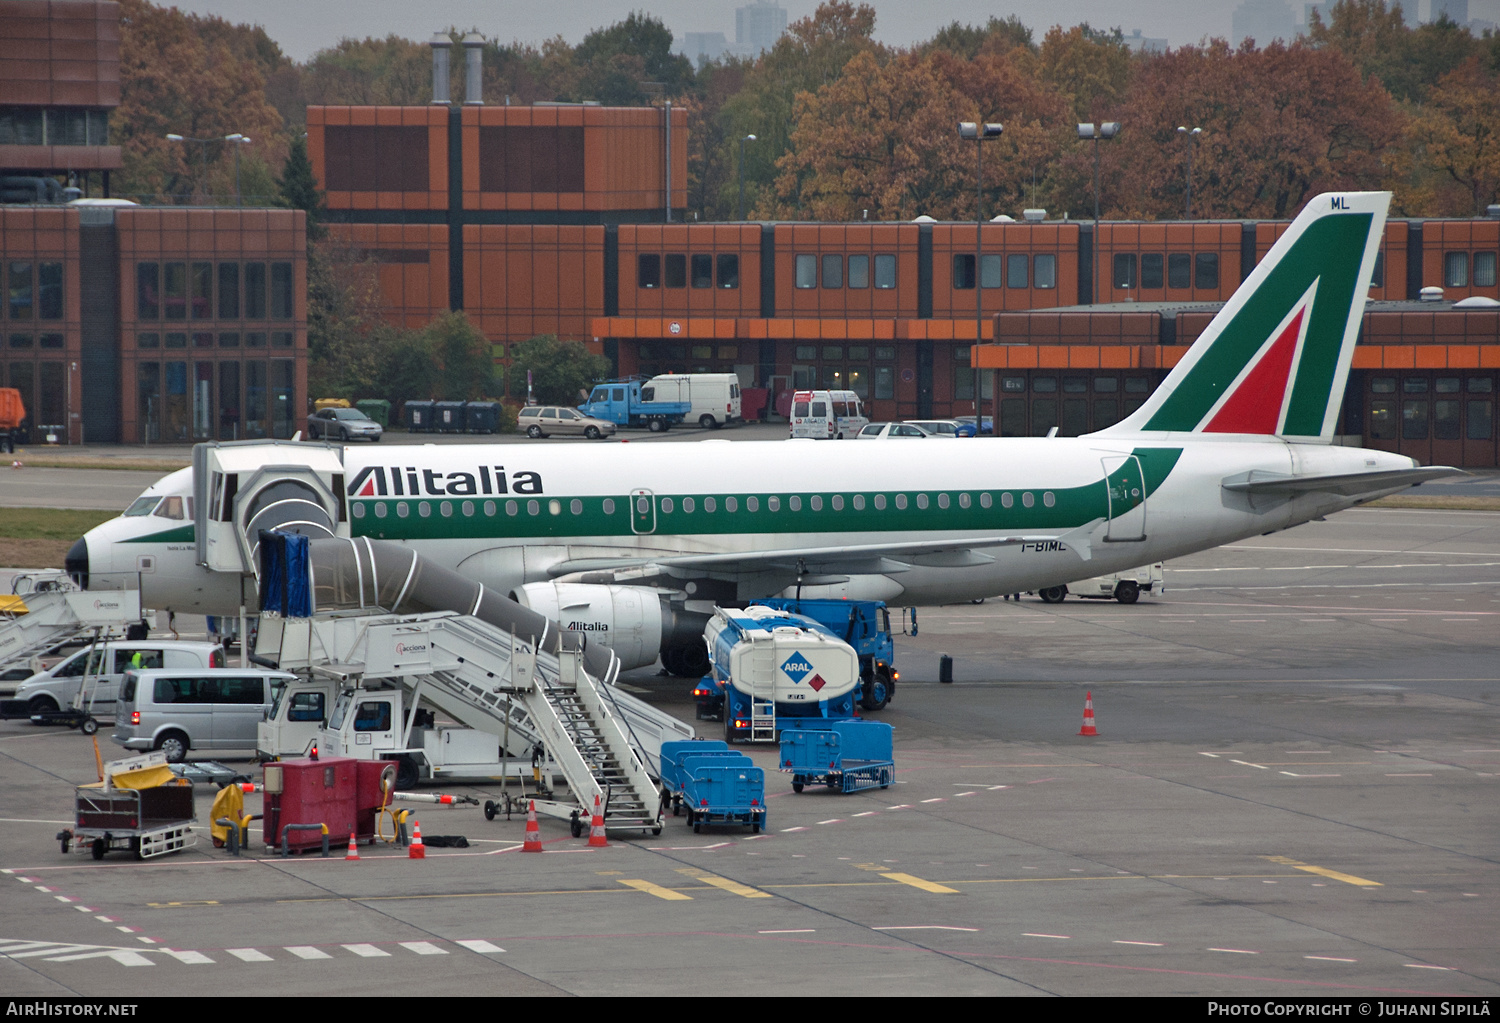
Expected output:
(1144, 44)
(699, 47)
(1457, 10)
(757, 26)
(1263, 21)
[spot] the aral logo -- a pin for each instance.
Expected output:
(796, 667)
(403, 649)
(409, 481)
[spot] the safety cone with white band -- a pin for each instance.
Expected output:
(1088, 717)
(533, 833)
(418, 851)
(596, 830)
(353, 853)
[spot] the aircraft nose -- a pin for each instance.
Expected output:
(76, 564)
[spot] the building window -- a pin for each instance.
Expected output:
(807, 353)
(1484, 269)
(201, 280)
(859, 271)
(885, 382)
(174, 291)
(676, 270)
(807, 270)
(990, 272)
(255, 339)
(963, 272)
(255, 291)
(49, 292)
(281, 291)
(1179, 270)
(176, 339)
(648, 270)
(833, 271)
(1044, 273)
(49, 341)
(203, 339)
(703, 271)
(282, 338)
(1015, 270)
(1377, 278)
(1206, 271)
(150, 340)
(885, 353)
(18, 292)
(1151, 270)
(729, 270)
(229, 291)
(963, 375)
(1456, 270)
(147, 291)
(230, 339)
(885, 271)
(1125, 270)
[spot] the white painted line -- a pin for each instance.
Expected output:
(937, 927)
(1237, 951)
(423, 948)
(1259, 767)
(835, 820)
(191, 958)
(81, 956)
(1289, 774)
(478, 945)
(128, 958)
(992, 788)
(867, 813)
(1064, 937)
(249, 955)
(1331, 959)
(903, 806)
(367, 951)
(1153, 944)
(44, 888)
(149, 941)
(83, 909)
(1408, 776)
(939, 799)
(1423, 966)
(27, 880)
(127, 930)
(803, 930)
(960, 795)
(307, 952)
(106, 919)
(62, 898)
(785, 830)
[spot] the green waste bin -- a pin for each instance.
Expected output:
(377, 409)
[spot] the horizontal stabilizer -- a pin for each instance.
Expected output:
(1351, 484)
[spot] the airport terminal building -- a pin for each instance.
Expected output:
(174, 324)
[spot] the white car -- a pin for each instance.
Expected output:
(892, 431)
(944, 427)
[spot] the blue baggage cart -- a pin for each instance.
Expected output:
(672, 755)
(721, 790)
(849, 756)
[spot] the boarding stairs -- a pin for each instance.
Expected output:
(603, 741)
(55, 616)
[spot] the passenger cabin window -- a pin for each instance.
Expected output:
(807, 270)
(1125, 270)
(990, 271)
(1179, 270)
(1456, 270)
(1206, 271)
(859, 271)
(648, 270)
(1484, 269)
(1015, 270)
(703, 271)
(1151, 270)
(729, 270)
(676, 270)
(963, 272)
(833, 271)
(1045, 271)
(885, 271)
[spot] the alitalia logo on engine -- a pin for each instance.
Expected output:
(409, 481)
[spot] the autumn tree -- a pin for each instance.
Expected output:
(1090, 69)
(615, 62)
(559, 369)
(463, 368)
(370, 72)
(1459, 134)
(969, 41)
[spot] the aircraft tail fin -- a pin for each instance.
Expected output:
(1276, 358)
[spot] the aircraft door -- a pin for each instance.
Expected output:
(642, 512)
(1125, 484)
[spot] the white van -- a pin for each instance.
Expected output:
(178, 711)
(1126, 586)
(105, 664)
(827, 415)
(715, 397)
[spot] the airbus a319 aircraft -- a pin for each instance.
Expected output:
(635, 544)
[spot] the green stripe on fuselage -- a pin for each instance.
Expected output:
(545, 517)
(182, 534)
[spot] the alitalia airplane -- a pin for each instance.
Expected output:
(637, 543)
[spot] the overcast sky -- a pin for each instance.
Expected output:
(302, 27)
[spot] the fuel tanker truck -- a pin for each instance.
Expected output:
(773, 669)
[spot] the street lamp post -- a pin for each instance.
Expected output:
(1192, 136)
(236, 138)
(979, 132)
(1107, 130)
(747, 138)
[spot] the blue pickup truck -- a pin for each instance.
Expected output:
(620, 402)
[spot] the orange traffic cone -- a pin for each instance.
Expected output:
(596, 831)
(1088, 717)
(353, 853)
(533, 833)
(418, 851)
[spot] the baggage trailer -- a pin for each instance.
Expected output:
(672, 756)
(720, 789)
(849, 756)
(140, 807)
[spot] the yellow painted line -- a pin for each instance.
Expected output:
(1325, 872)
(657, 890)
(724, 883)
(926, 886)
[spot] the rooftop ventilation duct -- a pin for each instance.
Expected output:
(440, 44)
(1034, 216)
(474, 72)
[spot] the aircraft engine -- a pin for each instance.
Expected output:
(636, 622)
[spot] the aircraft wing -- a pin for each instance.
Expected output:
(882, 558)
(1354, 484)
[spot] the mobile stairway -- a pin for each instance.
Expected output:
(58, 615)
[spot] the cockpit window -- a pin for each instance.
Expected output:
(171, 508)
(142, 506)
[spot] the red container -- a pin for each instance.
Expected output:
(311, 792)
(370, 798)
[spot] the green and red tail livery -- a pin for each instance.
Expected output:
(1276, 358)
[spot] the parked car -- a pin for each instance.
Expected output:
(105, 666)
(546, 420)
(945, 427)
(342, 424)
(178, 711)
(983, 424)
(892, 431)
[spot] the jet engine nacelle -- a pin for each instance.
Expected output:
(636, 622)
